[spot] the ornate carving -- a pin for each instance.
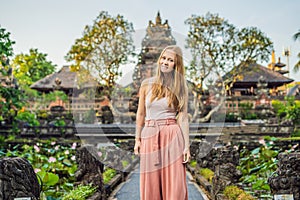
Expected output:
(90, 170)
(204, 153)
(286, 179)
(225, 172)
(158, 36)
(18, 179)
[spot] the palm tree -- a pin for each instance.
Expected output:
(297, 66)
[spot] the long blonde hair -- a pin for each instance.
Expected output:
(177, 87)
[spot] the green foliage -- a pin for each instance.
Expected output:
(207, 174)
(231, 117)
(193, 163)
(47, 178)
(257, 165)
(45, 99)
(80, 193)
(11, 100)
(59, 122)
(104, 46)
(29, 68)
(125, 163)
(108, 174)
(232, 192)
(290, 109)
(296, 133)
(54, 164)
(42, 114)
(6, 44)
(245, 111)
(296, 37)
(28, 118)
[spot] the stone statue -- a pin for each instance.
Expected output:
(90, 170)
(18, 179)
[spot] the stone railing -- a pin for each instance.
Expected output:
(227, 133)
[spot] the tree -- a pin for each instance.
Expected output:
(29, 68)
(218, 47)
(11, 98)
(212, 38)
(104, 46)
(6, 43)
(297, 65)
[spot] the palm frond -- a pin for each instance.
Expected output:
(296, 35)
(297, 65)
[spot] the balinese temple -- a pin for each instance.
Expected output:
(67, 81)
(158, 36)
(272, 75)
(63, 80)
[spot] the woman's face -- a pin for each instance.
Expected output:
(167, 61)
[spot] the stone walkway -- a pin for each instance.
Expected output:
(129, 190)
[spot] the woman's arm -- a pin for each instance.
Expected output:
(140, 118)
(183, 122)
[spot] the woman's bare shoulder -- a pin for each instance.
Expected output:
(148, 81)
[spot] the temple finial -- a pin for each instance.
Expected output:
(273, 56)
(158, 19)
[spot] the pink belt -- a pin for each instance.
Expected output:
(157, 123)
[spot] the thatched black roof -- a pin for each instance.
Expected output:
(252, 73)
(67, 80)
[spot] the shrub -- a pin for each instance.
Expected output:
(80, 193)
(233, 192)
(245, 196)
(27, 117)
(108, 174)
(207, 174)
(193, 163)
(125, 163)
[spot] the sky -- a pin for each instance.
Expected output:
(52, 26)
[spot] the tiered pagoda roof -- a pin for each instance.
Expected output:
(64, 79)
(158, 36)
(251, 75)
(279, 66)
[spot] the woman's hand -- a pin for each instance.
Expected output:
(186, 155)
(137, 147)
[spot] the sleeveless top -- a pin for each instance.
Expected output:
(158, 108)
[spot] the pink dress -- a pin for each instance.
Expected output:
(163, 175)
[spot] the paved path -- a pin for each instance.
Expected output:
(129, 190)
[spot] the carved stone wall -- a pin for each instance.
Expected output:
(18, 179)
(225, 172)
(286, 179)
(90, 170)
(203, 153)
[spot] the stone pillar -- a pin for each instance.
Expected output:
(90, 170)
(18, 179)
(286, 179)
(225, 172)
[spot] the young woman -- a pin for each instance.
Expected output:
(162, 130)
